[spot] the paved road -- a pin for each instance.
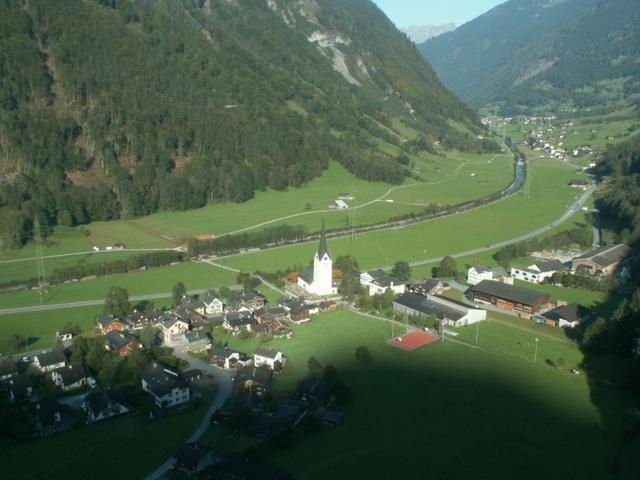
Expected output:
(89, 252)
(223, 381)
(91, 303)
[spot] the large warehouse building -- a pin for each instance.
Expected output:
(449, 311)
(516, 299)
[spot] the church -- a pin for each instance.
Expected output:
(318, 280)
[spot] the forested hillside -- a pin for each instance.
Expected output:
(115, 108)
(543, 53)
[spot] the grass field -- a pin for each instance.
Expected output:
(90, 452)
(543, 199)
(451, 411)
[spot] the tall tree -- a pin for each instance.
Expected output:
(179, 292)
(117, 302)
(402, 271)
(448, 268)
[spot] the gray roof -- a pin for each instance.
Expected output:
(608, 255)
(549, 266)
(322, 249)
(7, 366)
(225, 352)
(258, 375)
(519, 295)
(571, 312)
(51, 358)
(72, 373)
(116, 340)
(196, 335)
(161, 379)
(425, 306)
(105, 319)
(307, 275)
(267, 352)
(98, 400)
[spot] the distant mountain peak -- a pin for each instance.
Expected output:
(421, 33)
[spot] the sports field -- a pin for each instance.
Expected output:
(450, 410)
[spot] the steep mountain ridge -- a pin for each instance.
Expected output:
(543, 53)
(112, 108)
(421, 33)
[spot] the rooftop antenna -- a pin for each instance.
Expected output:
(37, 234)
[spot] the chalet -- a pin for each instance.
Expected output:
(192, 376)
(256, 380)
(188, 315)
(378, 281)
(121, 343)
(101, 404)
(273, 359)
(194, 341)
(478, 273)
(570, 316)
(604, 259)
(537, 272)
(8, 368)
(428, 286)
(449, 311)
(193, 457)
(20, 387)
(252, 299)
(173, 326)
(213, 306)
(136, 320)
(263, 315)
(227, 358)
(275, 328)
(197, 306)
(71, 376)
(508, 297)
(238, 321)
(236, 306)
(166, 386)
(49, 361)
(300, 314)
(47, 413)
(329, 305)
(107, 323)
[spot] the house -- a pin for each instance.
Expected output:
(136, 320)
(570, 315)
(238, 321)
(537, 272)
(264, 315)
(193, 457)
(47, 413)
(256, 380)
(508, 297)
(8, 368)
(449, 311)
(340, 204)
(252, 299)
(20, 387)
(300, 314)
(478, 273)
(71, 376)
(329, 305)
(273, 359)
(106, 323)
(605, 259)
(188, 315)
(579, 184)
(166, 386)
(64, 336)
(101, 404)
(197, 306)
(49, 361)
(213, 306)
(227, 358)
(378, 281)
(194, 341)
(121, 343)
(171, 326)
(428, 286)
(318, 279)
(275, 328)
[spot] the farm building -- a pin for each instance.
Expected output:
(340, 204)
(449, 311)
(516, 299)
(570, 315)
(604, 259)
(478, 273)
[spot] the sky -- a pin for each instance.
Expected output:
(405, 13)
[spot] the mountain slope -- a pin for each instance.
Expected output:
(421, 33)
(551, 53)
(120, 108)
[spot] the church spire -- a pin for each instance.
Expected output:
(322, 250)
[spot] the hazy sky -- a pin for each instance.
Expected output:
(405, 13)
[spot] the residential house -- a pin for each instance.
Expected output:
(20, 387)
(71, 376)
(239, 321)
(264, 315)
(448, 311)
(193, 457)
(136, 320)
(273, 359)
(378, 281)
(300, 314)
(213, 306)
(193, 341)
(428, 286)
(605, 259)
(227, 358)
(520, 300)
(121, 343)
(197, 306)
(49, 361)
(101, 404)
(478, 273)
(570, 315)
(8, 368)
(252, 299)
(252, 379)
(329, 305)
(173, 326)
(579, 184)
(537, 272)
(167, 387)
(189, 316)
(275, 328)
(106, 323)
(64, 336)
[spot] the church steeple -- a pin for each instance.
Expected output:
(322, 249)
